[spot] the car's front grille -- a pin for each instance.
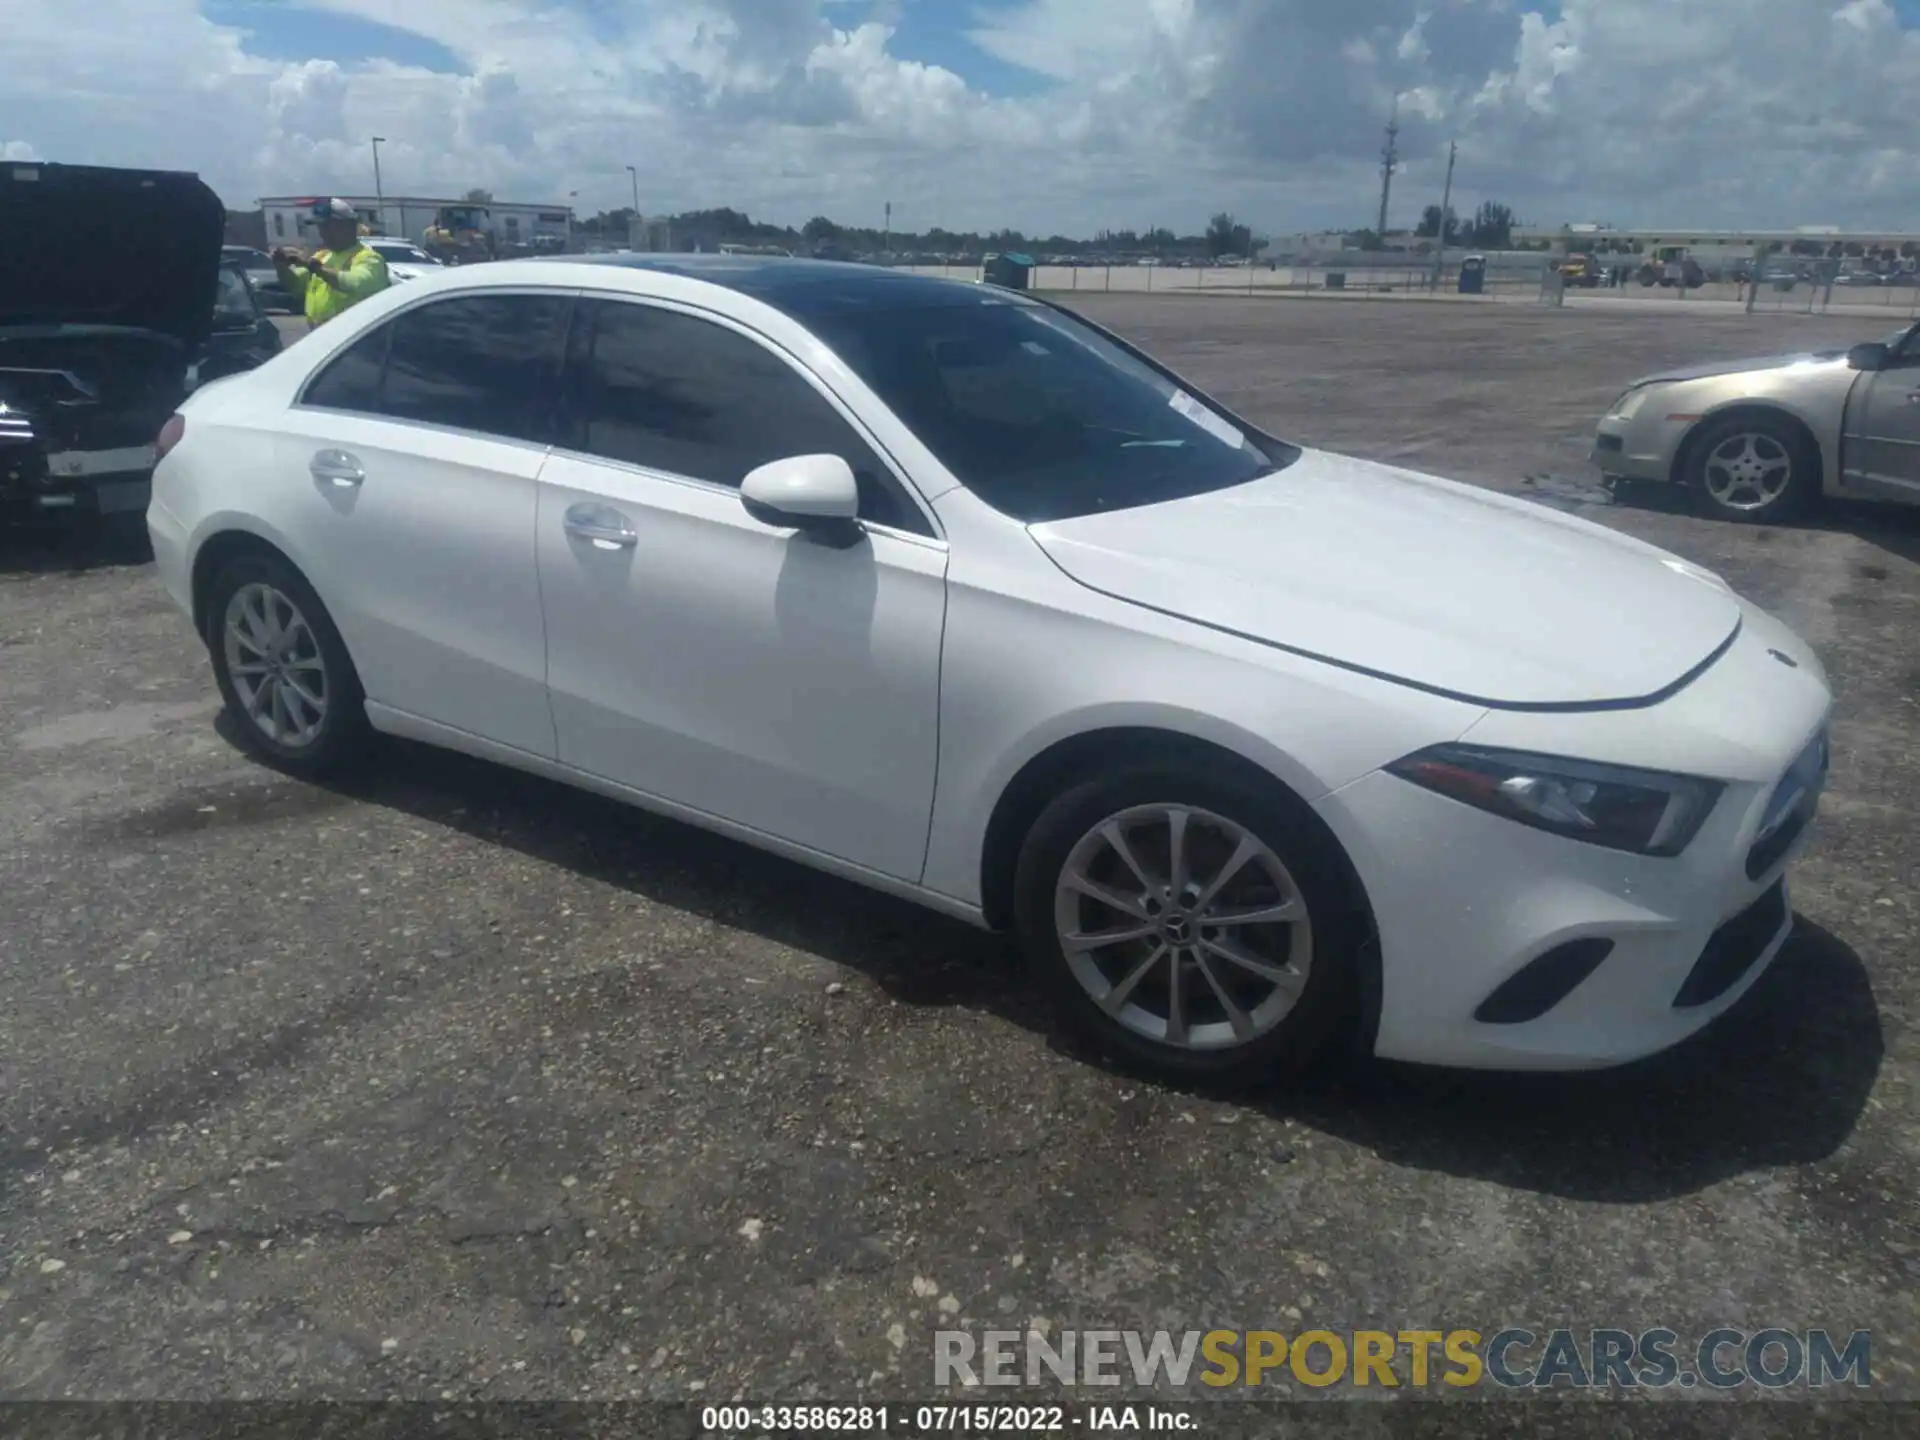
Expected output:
(1733, 949)
(1790, 808)
(1609, 442)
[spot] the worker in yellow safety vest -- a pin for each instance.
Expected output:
(342, 273)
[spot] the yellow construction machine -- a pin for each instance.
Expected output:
(461, 235)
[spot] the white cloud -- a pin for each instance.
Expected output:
(1143, 111)
(1413, 47)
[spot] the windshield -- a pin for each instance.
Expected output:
(233, 303)
(1037, 414)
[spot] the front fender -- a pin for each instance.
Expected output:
(1818, 401)
(1107, 666)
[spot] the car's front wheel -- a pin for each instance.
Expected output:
(1189, 921)
(1754, 469)
(282, 668)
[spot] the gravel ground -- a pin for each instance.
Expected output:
(458, 1084)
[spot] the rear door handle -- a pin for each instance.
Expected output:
(605, 527)
(336, 467)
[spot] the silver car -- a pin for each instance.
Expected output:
(1759, 440)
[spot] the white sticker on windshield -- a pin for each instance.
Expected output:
(1200, 415)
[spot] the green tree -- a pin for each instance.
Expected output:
(1429, 226)
(1492, 227)
(478, 196)
(1222, 231)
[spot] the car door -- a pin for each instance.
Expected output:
(414, 454)
(694, 653)
(1882, 448)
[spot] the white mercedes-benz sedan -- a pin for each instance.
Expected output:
(938, 587)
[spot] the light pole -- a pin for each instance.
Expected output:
(573, 199)
(379, 195)
(634, 223)
(1446, 205)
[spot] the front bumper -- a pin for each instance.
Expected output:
(1465, 901)
(1642, 447)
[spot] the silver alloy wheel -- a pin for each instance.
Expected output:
(1184, 927)
(274, 661)
(1748, 471)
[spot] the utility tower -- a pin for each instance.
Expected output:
(1389, 162)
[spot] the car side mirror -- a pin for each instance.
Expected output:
(1869, 356)
(814, 494)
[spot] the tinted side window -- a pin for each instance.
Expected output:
(478, 362)
(657, 388)
(351, 380)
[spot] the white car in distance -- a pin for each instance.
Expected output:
(941, 588)
(405, 260)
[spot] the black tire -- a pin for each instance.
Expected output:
(1769, 441)
(342, 734)
(1338, 924)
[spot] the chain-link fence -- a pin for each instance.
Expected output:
(1782, 287)
(1517, 277)
(1770, 284)
(1813, 291)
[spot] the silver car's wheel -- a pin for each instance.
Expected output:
(1184, 927)
(1748, 471)
(1753, 468)
(274, 660)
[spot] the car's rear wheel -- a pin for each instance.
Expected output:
(282, 668)
(1189, 922)
(1753, 469)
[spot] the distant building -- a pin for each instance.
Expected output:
(410, 215)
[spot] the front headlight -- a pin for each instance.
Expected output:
(1628, 405)
(1644, 811)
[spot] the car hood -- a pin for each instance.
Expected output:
(1816, 358)
(87, 245)
(1441, 586)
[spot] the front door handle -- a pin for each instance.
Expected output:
(336, 467)
(604, 527)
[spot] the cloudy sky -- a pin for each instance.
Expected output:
(1044, 115)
